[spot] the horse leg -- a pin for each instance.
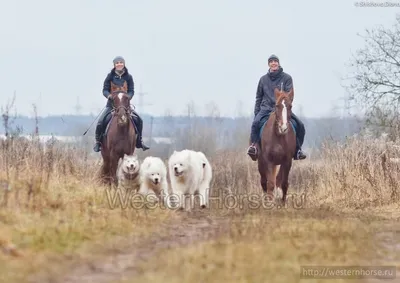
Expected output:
(285, 180)
(113, 170)
(104, 175)
(263, 175)
(272, 171)
(279, 179)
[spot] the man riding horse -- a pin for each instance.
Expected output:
(118, 75)
(265, 104)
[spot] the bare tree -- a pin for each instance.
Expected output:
(8, 120)
(375, 84)
(169, 124)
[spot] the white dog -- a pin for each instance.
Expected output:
(190, 172)
(128, 172)
(153, 177)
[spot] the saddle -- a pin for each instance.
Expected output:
(107, 121)
(264, 121)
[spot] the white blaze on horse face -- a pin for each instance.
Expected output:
(284, 117)
(123, 118)
(120, 96)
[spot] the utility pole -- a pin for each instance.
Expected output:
(151, 130)
(141, 103)
(78, 106)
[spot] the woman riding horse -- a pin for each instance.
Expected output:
(118, 75)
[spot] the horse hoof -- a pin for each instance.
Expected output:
(203, 206)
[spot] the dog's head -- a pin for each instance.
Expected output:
(179, 168)
(153, 170)
(154, 177)
(130, 164)
(179, 162)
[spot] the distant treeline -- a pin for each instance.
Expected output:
(227, 129)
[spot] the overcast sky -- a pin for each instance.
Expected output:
(53, 52)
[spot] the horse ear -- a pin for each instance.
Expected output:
(113, 87)
(276, 92)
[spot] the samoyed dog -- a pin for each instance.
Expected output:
(128, 172)
(190, 172)
(153, 178)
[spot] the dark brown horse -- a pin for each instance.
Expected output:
(121, 136)
(277, 146)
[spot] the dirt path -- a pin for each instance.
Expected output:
(190, 228)
(186, 229)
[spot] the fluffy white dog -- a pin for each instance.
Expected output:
(128, 172)
(153, 177)
(190, 172)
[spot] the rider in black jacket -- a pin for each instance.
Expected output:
(118, 75)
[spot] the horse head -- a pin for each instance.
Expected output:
(283, 109)
(121, 105)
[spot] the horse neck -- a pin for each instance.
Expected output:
(123, 129)
(274, 132)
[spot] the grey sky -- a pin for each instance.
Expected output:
(55, 51)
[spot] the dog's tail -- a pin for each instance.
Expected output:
(207, 170)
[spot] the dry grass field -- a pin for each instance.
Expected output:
(56, 223)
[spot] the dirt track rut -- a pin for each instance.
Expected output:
(193, 228)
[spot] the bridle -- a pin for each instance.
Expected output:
(127, 110)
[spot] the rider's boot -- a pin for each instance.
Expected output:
(300, 155)
(139, 141)
(97, 146)
(299, 152)
(252, 151)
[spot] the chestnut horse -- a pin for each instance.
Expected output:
(120, 138)
(277, 146)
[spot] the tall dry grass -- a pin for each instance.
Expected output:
(51, 203)
(357, 173)
(273, 245)
(53, 209)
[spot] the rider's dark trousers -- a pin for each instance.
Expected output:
(100, 121)
(256, 126)
(300, 130)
